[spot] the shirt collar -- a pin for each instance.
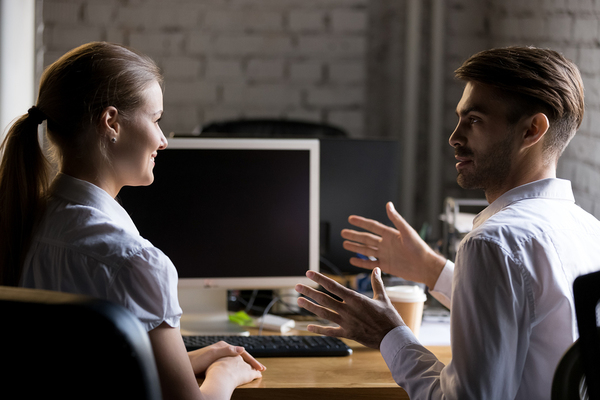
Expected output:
(87, 194)
(551, 188)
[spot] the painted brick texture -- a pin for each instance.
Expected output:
(572, 28)
(233, 58)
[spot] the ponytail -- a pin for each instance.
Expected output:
(24, 177)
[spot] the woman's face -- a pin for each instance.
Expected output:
(139, 141)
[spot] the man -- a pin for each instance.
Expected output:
(512, 313)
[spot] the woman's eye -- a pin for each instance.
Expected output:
(473, 120)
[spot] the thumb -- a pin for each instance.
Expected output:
(377, 284)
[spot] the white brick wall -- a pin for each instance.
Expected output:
(309, 59)
(233, 58)
(573, 28)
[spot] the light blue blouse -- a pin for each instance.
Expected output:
(88, 244)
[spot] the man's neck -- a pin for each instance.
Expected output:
(521, 175)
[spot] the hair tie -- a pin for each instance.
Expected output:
(37, 115)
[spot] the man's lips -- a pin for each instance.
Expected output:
(462, 161)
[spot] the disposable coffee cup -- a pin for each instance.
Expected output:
(408, 301)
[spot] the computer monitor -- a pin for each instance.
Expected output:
(231, 214)
(358, 176)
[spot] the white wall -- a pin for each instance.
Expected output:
(227, 59)
(337, 61)
(571, 27)
(17, 59)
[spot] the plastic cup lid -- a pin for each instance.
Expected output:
(406, 294)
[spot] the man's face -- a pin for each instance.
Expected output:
(484, 142)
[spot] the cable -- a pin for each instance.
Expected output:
(262, 322)
(251, 300)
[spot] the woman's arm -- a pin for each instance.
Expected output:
(177, 377)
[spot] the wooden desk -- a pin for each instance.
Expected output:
(363, 375)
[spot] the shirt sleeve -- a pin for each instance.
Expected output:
(413, 367)
(490, 323)
(147, 284)
(443, 287)
(489, 328)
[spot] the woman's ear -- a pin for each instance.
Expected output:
(536, 127)
(109, 124)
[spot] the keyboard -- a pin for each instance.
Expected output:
(276, 346)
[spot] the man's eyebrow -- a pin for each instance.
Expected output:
(470, 109)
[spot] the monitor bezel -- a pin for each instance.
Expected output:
(274, 282)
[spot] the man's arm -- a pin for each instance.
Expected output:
(490, 323)
(376, 324)
(490, 328)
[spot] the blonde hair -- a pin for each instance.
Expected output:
(74, 91)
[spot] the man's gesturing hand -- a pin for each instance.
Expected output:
(359, 318)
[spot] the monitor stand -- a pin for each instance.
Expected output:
(205, 312)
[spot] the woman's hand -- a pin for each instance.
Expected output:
(202, 358)
(224, 375)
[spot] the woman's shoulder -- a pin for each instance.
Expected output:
(88, 229)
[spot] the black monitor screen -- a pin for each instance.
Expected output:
(227, 212)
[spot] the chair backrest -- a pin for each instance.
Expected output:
(266, 127)
(73, 347)
(569, 381)
(586, 289)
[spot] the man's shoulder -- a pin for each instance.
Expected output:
(528, 219)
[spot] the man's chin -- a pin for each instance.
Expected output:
(466, 183)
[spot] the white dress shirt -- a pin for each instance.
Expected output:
(512, 312)
(88, 244)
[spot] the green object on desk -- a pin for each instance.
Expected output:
(241, 318)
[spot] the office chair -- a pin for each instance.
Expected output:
(586, 289)
(266, 127)
(72, 347)
(569, 381)
(578, 373)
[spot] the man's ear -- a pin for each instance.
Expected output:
(536, 127)
(109, 124)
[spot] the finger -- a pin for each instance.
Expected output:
(318, 310)
(366, 264)
(361, 237)
(329, 284)
(367, 224)
(399, 222)
(377, 284)
(360, 249)
(319, 297)
(253, 362)
(325, 330)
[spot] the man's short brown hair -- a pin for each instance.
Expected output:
(533, 80)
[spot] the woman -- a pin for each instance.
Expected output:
(102, 103)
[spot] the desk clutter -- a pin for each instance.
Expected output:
(276, 346)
